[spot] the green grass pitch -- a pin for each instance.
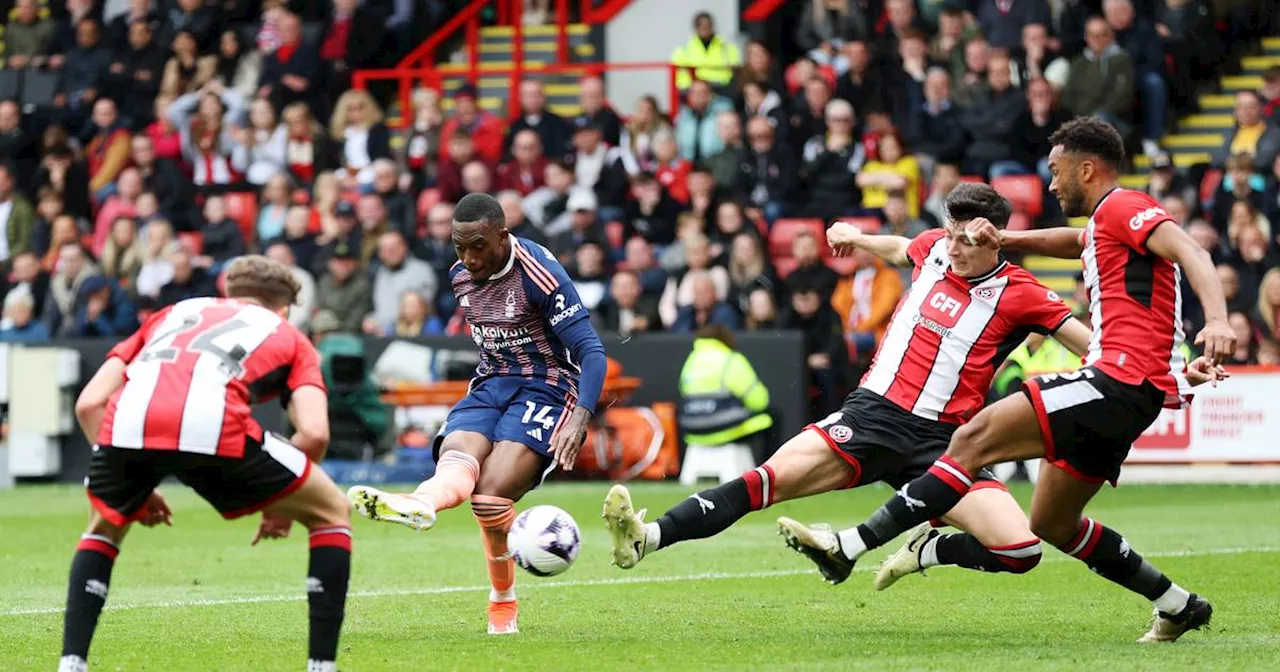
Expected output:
(197, 597)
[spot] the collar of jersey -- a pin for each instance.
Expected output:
(981, 278)
(511, 261)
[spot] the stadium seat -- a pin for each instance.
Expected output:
(976, 179)
(192, 240)
(1019, 221)
(242, 206)
(843, 265)
(613, 231)
(786, 229)
(1026, 192)
(865, 224)
(1209, 186)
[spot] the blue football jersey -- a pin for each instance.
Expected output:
(525, 318)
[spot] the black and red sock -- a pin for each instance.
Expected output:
(930, 496)
(87, 593)
(964, 550)
(327, 576)
(1109, 555)
(713, 511)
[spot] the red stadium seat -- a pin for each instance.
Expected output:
(843, 265)
(1026, 192)
(784, 266)
(865, 224)
(613, 231)
(193, 241)
(786, 229)
(1209, 186)
(243, 207)
(1019, 222)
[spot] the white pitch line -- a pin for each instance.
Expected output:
(631, 580)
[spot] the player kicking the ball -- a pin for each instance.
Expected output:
(1083, 423)
(967, 309)
(173, 400)
(541, 371)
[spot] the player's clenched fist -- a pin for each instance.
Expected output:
(980, 231)
(843, 238)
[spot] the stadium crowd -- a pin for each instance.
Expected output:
(144, 149)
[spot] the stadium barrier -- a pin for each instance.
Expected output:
(1237, 422)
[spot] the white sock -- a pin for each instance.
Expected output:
(851, 543)
(652, 537)
(929, 552)
(508, 595)
(321, 666)
(1173, 601)
(73, 664)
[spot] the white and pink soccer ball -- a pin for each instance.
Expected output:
(544, 540)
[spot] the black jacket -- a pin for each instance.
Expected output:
(551, 128)
(940, 135)
(776, 172)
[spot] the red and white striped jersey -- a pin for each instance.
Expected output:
(949, 334)
(194, 370)
(1135, 297)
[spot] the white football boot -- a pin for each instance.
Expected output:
(626, 527)
(390, 507)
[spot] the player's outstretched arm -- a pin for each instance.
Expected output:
(91, 405)
(1063, 242)
(844, 238)
(309, 415)
(1074, 336)
(1217, 340)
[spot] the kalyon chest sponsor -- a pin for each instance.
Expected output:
(1235, 422)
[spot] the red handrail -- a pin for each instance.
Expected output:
(433, 77)
(593, 15)
(762, 9)
(469, 17)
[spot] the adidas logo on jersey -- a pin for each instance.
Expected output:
(465, 302)
(536, 433)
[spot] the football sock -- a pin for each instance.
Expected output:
(495, 515)
(930, 496)
(453, 482)
(328, 573)
(711, 512)
(1109, 555)
(86, 594)
(964, 550)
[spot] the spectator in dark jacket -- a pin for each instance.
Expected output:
(223, 240)
(198, 18)
(826, 26)
(1039, 120)
(651, 213)
(935, 129)
(864, 84)
(83, 75)
(103, 310)
(139, 11)
(1139, 39)
(133, 78)
(826, 354)
(288, 72)
(551, 128)
(1100, 82)
(768, 172)
(354, 39)
(991, 121)
(189, 281)
(830, 166)
(705, 309)
(598, 167)
(1192, 43)
(1002, 21)
(17, 146)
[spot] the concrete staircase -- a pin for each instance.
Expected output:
(496, 52)
(1197, 136)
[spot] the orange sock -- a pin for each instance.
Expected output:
(455, 478)
(495, 515)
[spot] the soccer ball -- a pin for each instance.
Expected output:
(544, 540)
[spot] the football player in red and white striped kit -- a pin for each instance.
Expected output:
(967, 309)
(1084, 422)
(174, 399)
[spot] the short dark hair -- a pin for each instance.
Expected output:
(970, 200)
(717, 331)
(479, 208)
(1091, 135)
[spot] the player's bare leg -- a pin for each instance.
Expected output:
(509, 472)
(997, 538)
(803, 466)
(87, 589)
(455, 478)
(318, 505)
(1007, 430)
(1057, 510)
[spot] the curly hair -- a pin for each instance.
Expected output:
(1093, 136)
(265, 280)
